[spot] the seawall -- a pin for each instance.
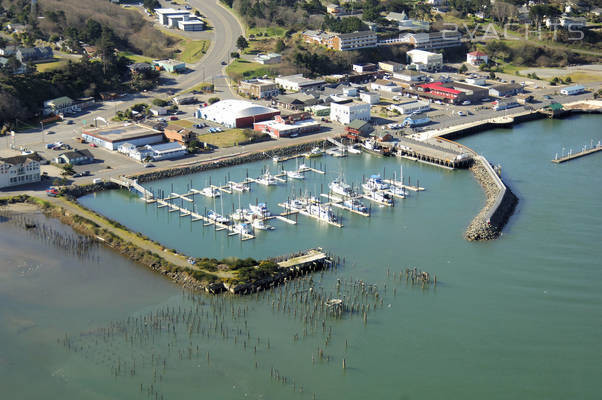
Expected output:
(499, 203)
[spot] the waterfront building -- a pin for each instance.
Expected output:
(504, 90)
(19, 170)
(346, 112)
(410, 107)
(236, 113)
(286, 126)
(572, 90)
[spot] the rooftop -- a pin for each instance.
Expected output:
(238, 108)
(439, 86)
(118, 133)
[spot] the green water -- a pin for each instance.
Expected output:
(519, 317)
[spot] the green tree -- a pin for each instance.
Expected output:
(213, 100)
(242, 43)
(492, 75)
(280, 46)
(463, 69)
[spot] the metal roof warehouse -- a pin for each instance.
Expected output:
(110, 137)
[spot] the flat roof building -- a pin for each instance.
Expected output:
(287, 126)
(425, 60)
(297, 83)
(346, 112)
(163, 14)
(111, 137)
(259, 88)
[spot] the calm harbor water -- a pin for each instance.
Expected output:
(514, 318)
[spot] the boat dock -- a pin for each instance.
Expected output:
(571, 156)
(290, 211)
(436, 152)
(404, 186)
(337, 202)
(184, 212)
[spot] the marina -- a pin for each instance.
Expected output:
(585, 151)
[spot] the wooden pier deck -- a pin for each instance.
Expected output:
(580, 154)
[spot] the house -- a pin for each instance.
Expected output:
(346, 112)
(425, 60)
(572, 22)
(296, 83)
(287, 126)
(409, 75)
(77, 157)
(170, 65)
(358, 128)
(139, 67)
(178, 134)
(572, 90)
(505, 90)
(297, 101)
(335, 9)
(259, 88)
(90, 51)
(370, 97)
(271, 58)
(34, 54)
(390, 66)
(361, 68)
(411, 107)
(111, 137)
(8, 51)
(477, 58)
(60, 105)
(432, 40)
(19, 170)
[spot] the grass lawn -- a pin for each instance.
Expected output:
(247, 69)
(49, 66)
(274, 31)
(227, 138)
(182, 123)
(193, 50)
(201, 86)
(135, 57)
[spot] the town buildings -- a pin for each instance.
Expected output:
(170, 65)
(477, 58)
(19, 170)
(452, 92)
(344, 113)
(258, 88)
(505, 89)
(179, 19)
(287, 126)
(34, 54)
(572, 90)
(409, 75)
(406, 24)
(370, 97)
(342, 41)
(77, 157)
(390, 66)
(178, 134)
(411, 107)
(432, 40)
(425, 60)
(236, 113)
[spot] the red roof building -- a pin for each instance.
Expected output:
(476, 58)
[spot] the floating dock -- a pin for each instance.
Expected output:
(583, 153)
(404, 186)
(290, 211)
(337, 202)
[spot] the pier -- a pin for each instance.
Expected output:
(291, 211)
(337, 202)
(434, 152)
(571, 156)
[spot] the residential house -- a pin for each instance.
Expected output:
(77, 157)
(19, 170)
(34, 54)
(477, 58)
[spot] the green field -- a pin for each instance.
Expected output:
(49, 66)
(240, 69)
(135, 57)
(193, 50)
(273, 31)
(227, 138)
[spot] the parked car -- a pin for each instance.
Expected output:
(93, 145)
(149, 165)
(224, 63)
(77, 175)
(49, 132)
(461, 113)
(52, 192)
(547, 97)
(70, 122)
(86, 173)
(173, 118)
(466, 102)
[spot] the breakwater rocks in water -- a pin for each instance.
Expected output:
(499, 204)
(82, 190)
(227, 162)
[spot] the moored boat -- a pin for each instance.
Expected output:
(355, 205)
(295, 175)
(210, 191)
(375, 183)
(267, 179)
(240, 187)
(243, 229)
(260, 210)
(341, 188)
(315, 152)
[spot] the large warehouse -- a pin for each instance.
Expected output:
(111, 137)
(236, 113)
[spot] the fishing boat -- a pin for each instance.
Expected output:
(211, 191)
(341, 188)
(353, 149)
(372, 147)
(242, 214)
(215, 217)
(267, 179)
(375, 183)
(294, 204)
(398, 191)
(322, 212)
(260, 210)
(295, 175)
(261, 225)
(355, 205)
(315, 152)
(240, 187)
(243, 229)
(378, 196)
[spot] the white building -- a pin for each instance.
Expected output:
(347, 112)
(191, 25)
(236, 113)
(411, 107)
(572, 90)
(370, 97)
(409, 75)
(164, 14)
(425, 60)
(167, 151)
(476, 80)
(18, 170)
(476, 58)
(296, 83)
(271, 58)
(361, 68)
(390, 66)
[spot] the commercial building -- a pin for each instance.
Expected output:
(390, 66)
(178, 134)
(185, 99)
(259, 88)
(346, 112)
(236, 113)
(296, 101)
(358, 128)
(432, 40)
(452, 92)
(505, 90)
(342, 41)
(361, 68)
(296, 83)
(77, 157)
(409, 75)
(111, 137)
(425, 60)
(385, 88)
(170, 65)
(477, 58)
(411, 107)
(504, 104)
(271, 58)
(166, 151)
(191, 24)
(165, 14)
(370, 97)
(406, 24)
(572, 90)
(286, 126)
(60, 105)
(19, 170)
(476, 80)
